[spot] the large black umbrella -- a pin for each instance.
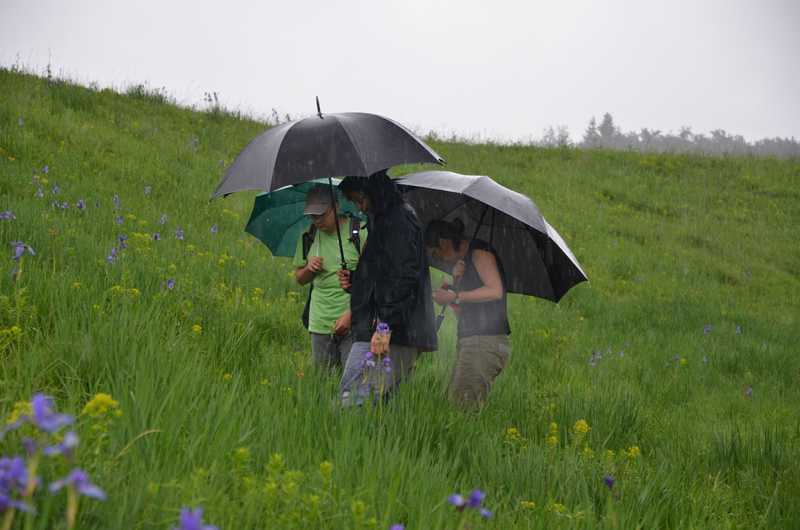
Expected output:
(324, 145)
(535, 258)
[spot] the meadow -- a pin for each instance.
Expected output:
(664, 393)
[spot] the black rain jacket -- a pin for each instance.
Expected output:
(391, 282)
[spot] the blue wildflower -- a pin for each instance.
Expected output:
(13, 474)
(44, 415)
(163, 219)
(55, 189)
(193, 520)
(707, 329)
(79, 480)
(8, 215)
(170, 284)
(457, 501)
(738, 330)
(116, 201)
(214, 228)
(156, 236)
(46, 169)
(112, 257)
(387, 364)
(39, 193)
(20, 248)
(66, 446)
(81, 204)
(476, 498)
(369, 360)
(6, 502)
(608, 480)
(119, 219)
(397, 526)
(179, 233)
(147, 190)
(121, 241)
(486, 514)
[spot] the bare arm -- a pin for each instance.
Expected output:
(492, 288)
(305, 274)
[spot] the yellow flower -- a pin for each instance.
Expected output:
(264, 382)
(609, 455)
(96, 307)
(242, 263)
(527, 505)
(684, 361)
(587, 452)
(172, 267)
(552, 441)
(326, 469)
(197, 329)
(76, 285)
(553, 428)
(581, 427)
(227, 376)
(100, 405)
(134, 292)
(556, 507)
(258, 291)
(130, 217)
(241, 455)
(21, 408)
(190, 248)
(633, 452)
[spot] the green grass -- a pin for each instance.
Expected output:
(670, 243)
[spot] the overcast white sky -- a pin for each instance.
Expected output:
(499, 69)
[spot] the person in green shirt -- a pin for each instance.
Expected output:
(317, 263)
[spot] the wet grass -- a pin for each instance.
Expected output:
(690, 316)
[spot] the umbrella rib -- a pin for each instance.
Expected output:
(356, 147)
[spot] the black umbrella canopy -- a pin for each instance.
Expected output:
(536, 259)
(324, 145)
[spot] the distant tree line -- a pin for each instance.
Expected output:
(607, 135)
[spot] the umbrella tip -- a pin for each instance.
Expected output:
(319, 112)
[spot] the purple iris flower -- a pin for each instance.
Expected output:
(156, 236)
(214, 228)
(20, 248)
(476, 498)
(121, 239)
(112, 257)
(608, 480)
(707, 329)
(81, 204)
(749, 391)
(7, 502)
(193, 520)
(170, 284)
(147, 190)
(486, 514)
(8, 215)
(46, 169)
(66, 446)
(44, 415)
(387, 364)
(78, 479)
(55, 189)
(457, 501)
(397, 526)
(39, 193)
(179, 233)
(64, 205)
(30, 445)
(163, 219)
(596, 356)
(369, 360)
(119, 220)
(738, 330)
(13, 474)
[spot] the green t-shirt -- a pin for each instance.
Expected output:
(328, 300)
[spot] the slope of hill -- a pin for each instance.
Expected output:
(680, 354)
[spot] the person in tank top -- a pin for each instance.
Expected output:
(478, 297)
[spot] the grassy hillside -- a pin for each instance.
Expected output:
(680, 354)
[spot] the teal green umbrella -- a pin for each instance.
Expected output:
(277, 219)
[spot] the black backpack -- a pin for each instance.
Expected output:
(308, 240)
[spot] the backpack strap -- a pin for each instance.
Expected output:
(308, 239)
(355, 233)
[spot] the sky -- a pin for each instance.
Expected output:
(486, 70)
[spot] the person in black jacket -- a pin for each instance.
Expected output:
(389, 288)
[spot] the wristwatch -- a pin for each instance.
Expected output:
(457, 301)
